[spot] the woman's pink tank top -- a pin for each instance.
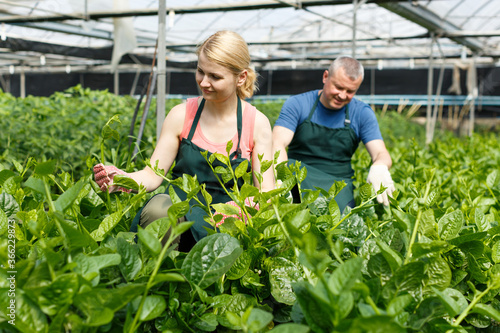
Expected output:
(201, 141)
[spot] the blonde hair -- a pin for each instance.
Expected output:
(229, 49)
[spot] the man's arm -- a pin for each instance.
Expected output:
(379, 171)
(378, 152)
(282, 137)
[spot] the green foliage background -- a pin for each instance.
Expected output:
(428, 263)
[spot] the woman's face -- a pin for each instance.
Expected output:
(217, 83)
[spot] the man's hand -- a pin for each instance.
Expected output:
(104, 175)
(379, 175)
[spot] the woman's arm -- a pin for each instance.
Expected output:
(165, 151)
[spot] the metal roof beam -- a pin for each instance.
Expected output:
(244, 5)
(77, 31)
(432, 22)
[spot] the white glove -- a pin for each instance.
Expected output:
(379, 175)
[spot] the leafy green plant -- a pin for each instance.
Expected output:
(427, 263)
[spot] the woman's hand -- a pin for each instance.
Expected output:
(104, 174)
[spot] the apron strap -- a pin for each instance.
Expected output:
(347, 121)
(314, 106)
(239, 120)
(196, 119)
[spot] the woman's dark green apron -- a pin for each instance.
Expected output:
(326, 153)
(189, 160)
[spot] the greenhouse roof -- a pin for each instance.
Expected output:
(64, 35)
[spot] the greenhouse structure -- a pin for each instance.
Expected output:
(90, 93)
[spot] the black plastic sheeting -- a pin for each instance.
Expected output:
(276, 82)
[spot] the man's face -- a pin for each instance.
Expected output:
(338, 89)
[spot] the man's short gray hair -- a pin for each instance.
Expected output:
(352, 67)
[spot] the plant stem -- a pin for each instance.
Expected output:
(471, 305)
(417, 222)
(150, 281)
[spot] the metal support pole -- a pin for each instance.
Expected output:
(161, 85)
(354, 26)
(23, 82)
(116, 78)
(269, 82)
(473, 93)
(430, 79)
(135, 82)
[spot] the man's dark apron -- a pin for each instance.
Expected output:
(190, 161)
(326, 153)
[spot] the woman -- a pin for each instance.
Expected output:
(206, 123)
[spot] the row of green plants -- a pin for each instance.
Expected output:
(427, 263)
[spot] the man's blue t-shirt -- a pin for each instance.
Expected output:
(296, 109)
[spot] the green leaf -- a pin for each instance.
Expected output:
(493, 178)
(89, 266)
(46, 168)
(336, 187)
(58, 294)
(131, 263)
(258, 320)
(282, 274)
(5, 174)
(248, 191)
(178, 210)
(480, 220)
(398, 304)
(67, 198)
(226, 209)
(168, 277)
(487, 310)
(240, 267)
(75, 237)
(345, 276)
(450, 224)
(439, 273)
(290, 328)
(109, 132)
(468, 238)
(149, 241)
(405, 221)
(241, 169)
(28, 316)
(100, 304)
(210, 258)
(376, 324)
(4, 222)
(366, 191)
(475, 270)
(319, 313)
(392, 257)
(433, 197)
(408, 278)
(333, 209)
(495, 252)
(36, 184)
(422, 249)
(207, 322)
(9, 205)
(126, 182)
(449, 303)
(106, 226)
(153, 307)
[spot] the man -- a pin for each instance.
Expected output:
(322, 129)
